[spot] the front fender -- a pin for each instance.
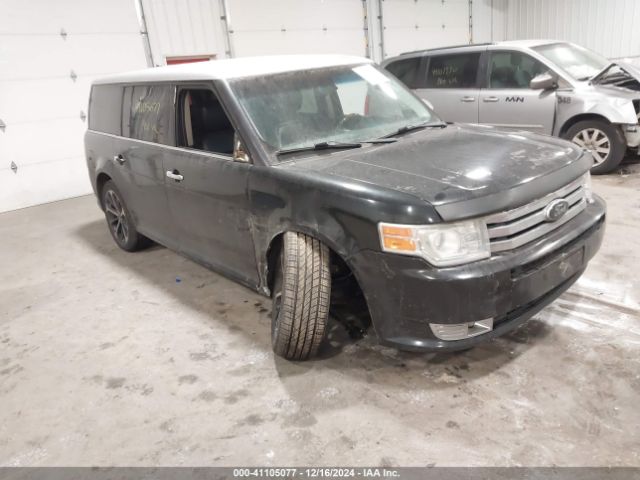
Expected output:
(615, 109)
(341, 213)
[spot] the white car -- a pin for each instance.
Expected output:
(544, 86)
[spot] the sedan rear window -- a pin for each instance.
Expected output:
(453, 71)
(406, 71)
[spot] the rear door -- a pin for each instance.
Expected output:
(507, 101)
(207, 189)
(140, 154)
(451, 85)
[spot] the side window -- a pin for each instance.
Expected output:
(406, 71)
(104, 109)
(147, 112)
(203, 123)
(513, 70)
(453, 71)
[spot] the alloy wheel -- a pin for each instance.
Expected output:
(116, 217)
(596, 141)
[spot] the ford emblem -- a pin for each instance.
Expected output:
(556, 210)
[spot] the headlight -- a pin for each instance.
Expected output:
(442, 245)
(586, 185)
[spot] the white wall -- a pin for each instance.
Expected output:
(256, 27)
(260, 27)
(489, 20)
(610, 27)
(179, 28)
(41, 104)
(418, 24)
(297, 26)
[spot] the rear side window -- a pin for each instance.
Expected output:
(453, 71)
(104, 109)
(147, 112)
(406, 71)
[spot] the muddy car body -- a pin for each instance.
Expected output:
(543, 86)
(292, 175)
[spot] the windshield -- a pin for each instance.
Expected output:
(578, 62)
(336, 104)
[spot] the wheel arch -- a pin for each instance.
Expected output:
(275, 247)
(101, 179)
(339, 265)
(580, 118)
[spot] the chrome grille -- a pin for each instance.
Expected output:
(514, 228)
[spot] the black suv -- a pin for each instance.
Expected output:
(293, 175)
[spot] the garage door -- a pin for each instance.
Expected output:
(49, 53)
(419, 24)
(297, 26)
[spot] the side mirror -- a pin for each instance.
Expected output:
(239, 152)
(544, 81)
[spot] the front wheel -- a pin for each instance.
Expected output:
(301, 296)
(605, 140)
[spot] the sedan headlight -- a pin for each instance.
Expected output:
(586, 185)
(442, 244)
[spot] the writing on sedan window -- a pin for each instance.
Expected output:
(446, 75)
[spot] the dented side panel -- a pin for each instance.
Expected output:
(614, 104)
(342, 214)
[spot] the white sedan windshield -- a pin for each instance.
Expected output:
(336, 104)
(580, 63)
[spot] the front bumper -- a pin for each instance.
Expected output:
(405, 294)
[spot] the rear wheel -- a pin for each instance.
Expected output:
(119, 220)
(301, 295)
(606, 142)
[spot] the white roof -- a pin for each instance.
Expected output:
(232, 68)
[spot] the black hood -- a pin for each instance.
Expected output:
(446, 166)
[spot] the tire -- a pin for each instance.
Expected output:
(599, 134)
(119, 220)
(301, 297)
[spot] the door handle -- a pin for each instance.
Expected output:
(490, 99)
(175, 175)
(119, 159)
(468, 99)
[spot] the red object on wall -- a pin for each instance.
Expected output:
(189, 59)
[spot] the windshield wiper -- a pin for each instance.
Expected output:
(411, 128)
(319, 146)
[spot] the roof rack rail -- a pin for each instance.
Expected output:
(447, 48)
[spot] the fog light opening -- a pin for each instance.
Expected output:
(460, 331)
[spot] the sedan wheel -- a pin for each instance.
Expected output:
(596, 141)
(604, 140)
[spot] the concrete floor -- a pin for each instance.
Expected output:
(105, 359)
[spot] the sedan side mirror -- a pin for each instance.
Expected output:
(544, 81)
